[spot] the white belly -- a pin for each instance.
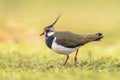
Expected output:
(61, 49)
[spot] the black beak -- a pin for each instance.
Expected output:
(42, 34)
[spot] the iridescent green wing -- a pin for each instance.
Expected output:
(69, 39)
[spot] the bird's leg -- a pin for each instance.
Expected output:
(75, 59)
(66, 60)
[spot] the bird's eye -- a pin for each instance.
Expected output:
(47, 31)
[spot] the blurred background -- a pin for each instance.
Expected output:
(24, 20)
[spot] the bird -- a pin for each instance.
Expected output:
(66, 42)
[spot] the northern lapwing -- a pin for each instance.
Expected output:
(65, 42)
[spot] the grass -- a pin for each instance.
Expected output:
(36, 62)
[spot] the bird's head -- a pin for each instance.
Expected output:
(49, 30)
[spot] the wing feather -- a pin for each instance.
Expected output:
(69, 39)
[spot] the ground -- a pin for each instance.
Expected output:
(37, 62)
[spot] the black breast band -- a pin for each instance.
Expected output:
(49, 41)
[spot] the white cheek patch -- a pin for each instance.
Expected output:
(50, 34)
(61, 49)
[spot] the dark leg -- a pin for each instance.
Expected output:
(66, 60)
(75, 59)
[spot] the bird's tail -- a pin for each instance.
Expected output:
(93, 37)
(98, 36)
